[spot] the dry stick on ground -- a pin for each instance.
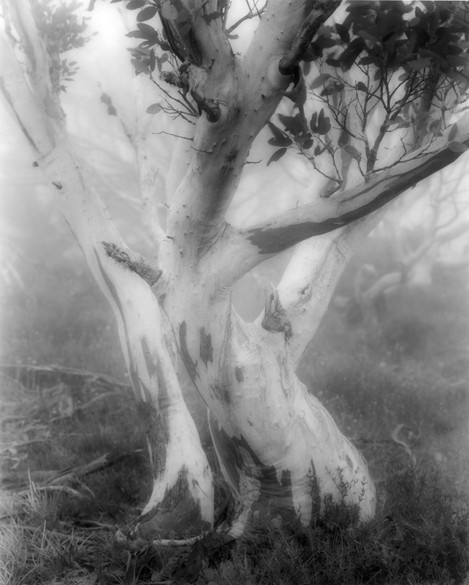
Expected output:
(55, 488)
(70, 474)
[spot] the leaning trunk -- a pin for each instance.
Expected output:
(279, 449)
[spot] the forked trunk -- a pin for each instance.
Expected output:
(279, 449)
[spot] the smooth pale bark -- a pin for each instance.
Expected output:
(279, 449)
(182, 496)
(277, 445)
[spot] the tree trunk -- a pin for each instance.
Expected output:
(279, 449)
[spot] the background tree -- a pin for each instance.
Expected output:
(420, 240)
(368, 140)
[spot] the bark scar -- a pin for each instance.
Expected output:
(134, 262)
(275, 316)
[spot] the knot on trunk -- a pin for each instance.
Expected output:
(207, 105)
(134, 262)
(275, 316)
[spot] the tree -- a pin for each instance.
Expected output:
(428, 237)
(372, 105)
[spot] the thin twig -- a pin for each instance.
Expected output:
(247, 16)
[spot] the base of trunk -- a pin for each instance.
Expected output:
(178, 515)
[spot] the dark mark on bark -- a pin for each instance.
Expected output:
(275, 495)
(152, 368)
(191, 366)
(239, 374)
(58, 186)
(155, 426)
(206, 348)
(154, 422)
(315, 492)
(178, 513)
(222, 392)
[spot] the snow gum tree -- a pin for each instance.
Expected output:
(368, 93)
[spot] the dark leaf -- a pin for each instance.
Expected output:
(333, 88)
(333, 62)
(286, 141)
(313, 123)
(146, 28)
(152, 61)
(457, 147)
(275, 130)
(368, 60)
(308, 143)
(324, 42)
(135, 4)
(310, 55)
(434, 57)
(360, 86)
(457, 60)
(352, 151)
(344, 138)
(320, 80)
(351, 53)
(419, 64)
(313, 52)
(294, 124)
(324, 124)
(147, 13)
(343, 33)
(146, 32)
(154, 109)
(277, 155)
(453, 132)
(139, 66)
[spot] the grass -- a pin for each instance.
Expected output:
(424, 540)
(408, 371)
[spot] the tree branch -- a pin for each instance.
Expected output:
(245, 93)
(254, 245)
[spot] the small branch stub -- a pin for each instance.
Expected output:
(134, 262)
(275, 316)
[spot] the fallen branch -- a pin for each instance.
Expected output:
(72, 474)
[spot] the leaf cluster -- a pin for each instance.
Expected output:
(405, 62)
(158, 54)
(62, 30)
